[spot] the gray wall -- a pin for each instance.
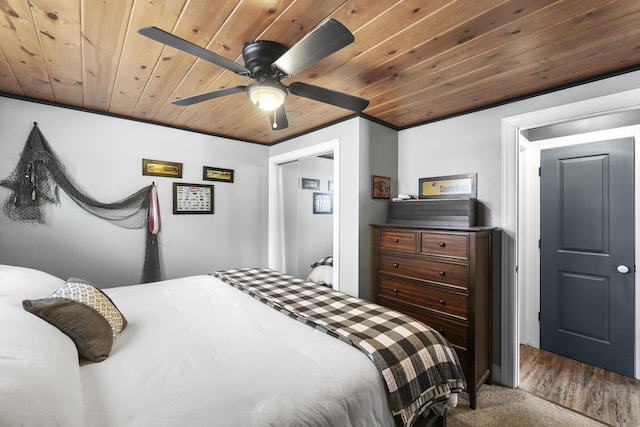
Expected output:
(104, 155)
(379, 156)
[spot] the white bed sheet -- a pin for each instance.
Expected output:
(198, 352)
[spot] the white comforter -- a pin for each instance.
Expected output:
(197, 352)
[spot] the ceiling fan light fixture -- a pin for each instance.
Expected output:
(267, 96)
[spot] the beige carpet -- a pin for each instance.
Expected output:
(501, 406)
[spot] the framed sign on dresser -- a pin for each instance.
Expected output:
(442, 277)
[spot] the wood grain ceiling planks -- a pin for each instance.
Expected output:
(415, 60)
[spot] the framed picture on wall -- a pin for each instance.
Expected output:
(450, 186)
(309, 184)
(192, 198)
(322, 203)
(161, 168)
(381, 187)
(217, 174)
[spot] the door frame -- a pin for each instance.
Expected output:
(512, 245)
(275, 236)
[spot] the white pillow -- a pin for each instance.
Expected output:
(321, 274)
(39, 373)
(20, 283)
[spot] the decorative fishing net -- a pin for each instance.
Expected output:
(34, 183)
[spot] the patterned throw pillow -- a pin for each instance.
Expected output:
(328, 260)
(84, 292)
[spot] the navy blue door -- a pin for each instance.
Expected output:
(587, 253)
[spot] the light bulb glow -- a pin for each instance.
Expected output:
(266, 97)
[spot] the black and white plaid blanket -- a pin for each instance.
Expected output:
(417, 364)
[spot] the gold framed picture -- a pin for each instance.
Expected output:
(217, 174)
(161, 168)
(449, 187)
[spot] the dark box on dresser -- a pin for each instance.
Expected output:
(434, 212)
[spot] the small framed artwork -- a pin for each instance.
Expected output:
(192, 198)
(309, 184)
(161, 168)
(217, 174)
(330, 186)
(322, 203)
(449, 187)
(381, 187)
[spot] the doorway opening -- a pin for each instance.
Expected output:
(307, 201)
(277, 234)
(529, 272)
(517, 250)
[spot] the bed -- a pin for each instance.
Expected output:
(196, 351)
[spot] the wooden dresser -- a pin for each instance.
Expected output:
(442, 277)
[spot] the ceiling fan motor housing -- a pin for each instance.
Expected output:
(259, 57)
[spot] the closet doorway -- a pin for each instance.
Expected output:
(307, 201)
(285, 229)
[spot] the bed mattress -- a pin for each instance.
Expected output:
(198, 352)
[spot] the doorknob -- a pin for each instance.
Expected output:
(622, 269)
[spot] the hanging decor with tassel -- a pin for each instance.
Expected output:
(38, 175)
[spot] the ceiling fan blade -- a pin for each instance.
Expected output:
(332, 97)
(190, 100)
(278, 118)
(176, 42)
(326, 39)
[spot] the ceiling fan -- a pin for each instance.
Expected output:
(269, 62)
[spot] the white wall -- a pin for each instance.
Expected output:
(472, 142)
(104, 155)
(464, 144)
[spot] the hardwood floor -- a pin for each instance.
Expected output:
(605, 396)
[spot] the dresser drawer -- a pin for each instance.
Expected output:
(453, 245)
(433, 271)
(448, 302)
(398, 240)
(455, 333)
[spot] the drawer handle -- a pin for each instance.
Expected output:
(396, 265)
(395, 290)
(443, 273)
(443, 302)
(442, 244)
(395, 240)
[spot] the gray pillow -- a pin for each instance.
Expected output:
(89, 330)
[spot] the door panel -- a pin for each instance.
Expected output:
(587, 231)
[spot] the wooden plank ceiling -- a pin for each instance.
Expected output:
(416, 61)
